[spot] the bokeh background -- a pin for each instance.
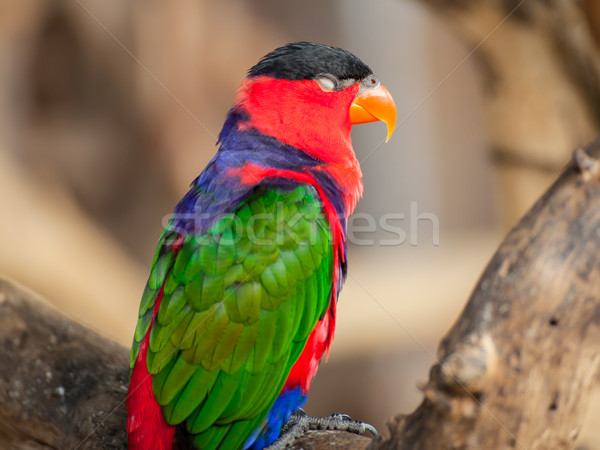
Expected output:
(108, 110)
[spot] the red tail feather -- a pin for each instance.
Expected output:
(146, 425)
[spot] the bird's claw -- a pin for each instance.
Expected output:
(300, 422)
(343, 422)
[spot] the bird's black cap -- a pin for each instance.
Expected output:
(306, 60)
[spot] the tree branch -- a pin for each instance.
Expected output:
(517, 367)
(61, 385)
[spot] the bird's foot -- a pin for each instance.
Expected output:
(300, 422)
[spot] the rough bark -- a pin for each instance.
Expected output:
(61, 385)
(514, 371)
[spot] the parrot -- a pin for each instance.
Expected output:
(240, 303)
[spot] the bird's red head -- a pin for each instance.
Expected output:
(308, 96)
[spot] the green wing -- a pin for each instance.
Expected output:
(238, 305)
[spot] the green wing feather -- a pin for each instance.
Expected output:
(238, 305)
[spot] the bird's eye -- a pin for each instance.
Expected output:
(327, 82)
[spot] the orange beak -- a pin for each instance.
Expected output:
(372, 105)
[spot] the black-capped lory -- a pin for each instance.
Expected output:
(240, 304)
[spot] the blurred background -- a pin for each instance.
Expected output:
(108, 110)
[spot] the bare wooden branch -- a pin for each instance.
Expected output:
(61, 385)
(327, 440)
(516, 369)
